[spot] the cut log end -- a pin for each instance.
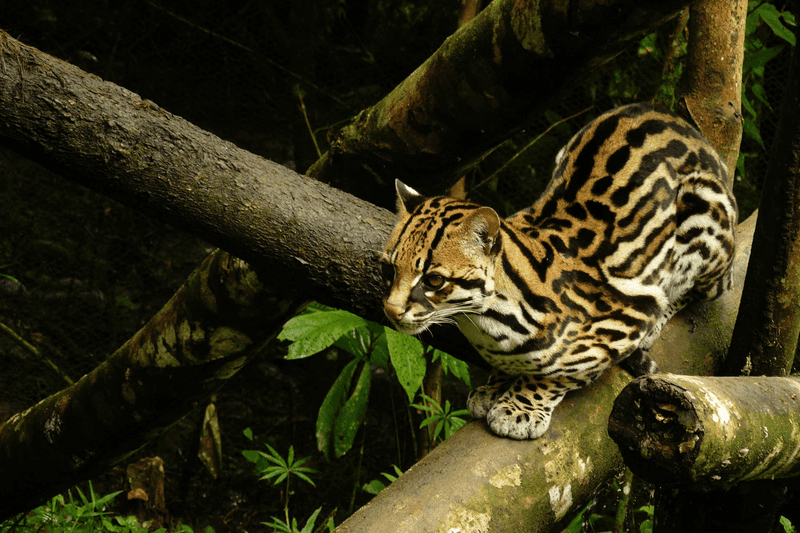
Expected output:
(657, 430)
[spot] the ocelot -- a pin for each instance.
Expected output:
(636, 221)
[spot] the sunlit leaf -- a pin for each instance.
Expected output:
(314, 331)
(406, 355)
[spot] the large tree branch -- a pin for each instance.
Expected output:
(713, 84)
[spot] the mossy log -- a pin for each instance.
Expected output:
(708, 432)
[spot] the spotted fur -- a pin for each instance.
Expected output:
(637, 220)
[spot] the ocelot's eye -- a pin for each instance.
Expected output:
(387, 271)
(433, 282)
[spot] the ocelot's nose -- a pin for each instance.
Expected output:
(394, 312)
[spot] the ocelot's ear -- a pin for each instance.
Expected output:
(482, 227)
(407, 198)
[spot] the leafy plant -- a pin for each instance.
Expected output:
(273, 465)
(763, 20)
(88, 514)
(345, 406)
(280, 526)
(787, 525)
(376, 485)
(445, 420)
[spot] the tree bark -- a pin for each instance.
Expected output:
(485, 83)
(767, 330)
(219, 319)
(708, 433)
(713, 88)
(311, 237)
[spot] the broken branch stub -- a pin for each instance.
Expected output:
(708, 432)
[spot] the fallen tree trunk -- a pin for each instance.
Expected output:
(708, 432)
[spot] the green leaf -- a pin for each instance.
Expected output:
(330, 408)
(380, 350)
(740, 166)
(751, 130)
(309, 527)
(365, 341)
(352, 413)
(314, 331)
(248, 433)
(304, 477)
(457, 367)
(406, 355)
(760, 58)
(770, 14)
(251, 455)
(373, 487)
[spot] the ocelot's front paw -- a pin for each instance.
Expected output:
(525, 409)
(511, 418)
(482, 399)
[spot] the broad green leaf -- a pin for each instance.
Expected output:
(352, 413)
(760, 93)
(406, 354)
(457, 367)
(314, 331)
(740, 165)
(251, 455)
(747, 106)
(380, 351)
(330, 408)
(356, 342)
(751, 130)
(760, 58)
(366, 340)
(770, 14)
(374, 486)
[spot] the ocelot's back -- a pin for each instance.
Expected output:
(637, 220)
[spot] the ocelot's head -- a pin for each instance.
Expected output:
(439, 260)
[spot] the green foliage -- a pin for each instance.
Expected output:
(6, 276)
(376, 485)
(344, 408)
(273, 465)
(87, 515)
(444, 419)
(279, 526)
(787, 525)
(764, 22)
(316, 329)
